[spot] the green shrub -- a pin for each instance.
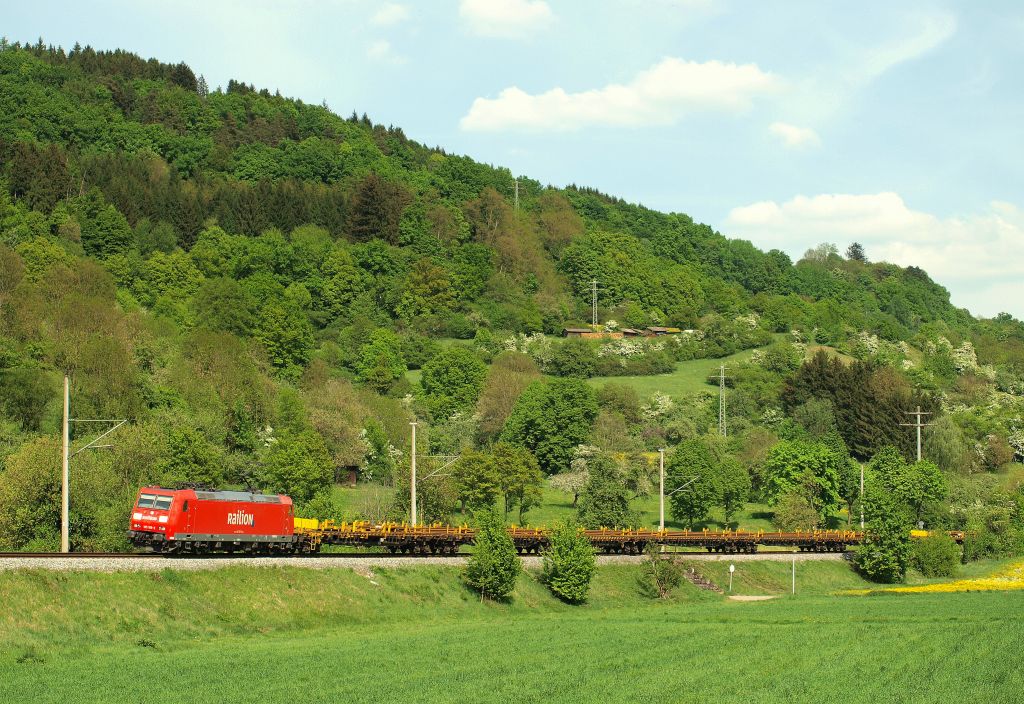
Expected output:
(493, 567)
(935, 556)
(658, 575)
(569, 563)
(794, 512)
(575, 358)
(993, 539)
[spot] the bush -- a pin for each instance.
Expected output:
(418, 349)
(323, 507)
(993, 535)
(935, 556)
(658, 575)
(569, 563)
(575, 358)
(794, 512)
(493, 567)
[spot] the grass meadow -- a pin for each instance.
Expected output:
(689, 377)
(416, 635)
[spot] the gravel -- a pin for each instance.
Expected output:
(155, 564)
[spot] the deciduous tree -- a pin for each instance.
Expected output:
(519, 477)
(885, 552)
(380, 362)
(452, 381)
(298, 465)
(476, 480)
(691, 482)
(551, 419)
(812, 469)
(604, 501)
(734, 480)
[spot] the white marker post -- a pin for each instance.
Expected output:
(794, 574)
(732, 568)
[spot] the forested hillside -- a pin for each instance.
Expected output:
(270, 293)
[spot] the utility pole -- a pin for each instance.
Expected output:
(593, 301)
(412, 482)
(66, 455)
(918, 425)
(661, 488)
(65, 490)
(517, 196)
(862, 498)
(721, 400)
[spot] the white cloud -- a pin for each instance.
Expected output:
(390, 13)
(829, 88)
(661, 95)
(934, 30)
(382, 51)
(505, 18)
(793, 136)
(976, 256)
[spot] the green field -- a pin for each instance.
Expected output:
(416, 635)
(689, 377)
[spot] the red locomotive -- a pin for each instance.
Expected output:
(194, 520)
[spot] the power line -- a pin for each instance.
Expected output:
(66, 455)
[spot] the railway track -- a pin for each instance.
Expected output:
(73, 555)
(210, 556)
(688, 555)
(362, 562)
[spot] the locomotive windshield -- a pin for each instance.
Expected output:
(155, 501)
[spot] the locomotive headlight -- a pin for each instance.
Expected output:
(162, 519)
(137, 516)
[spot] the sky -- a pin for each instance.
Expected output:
(897, 125)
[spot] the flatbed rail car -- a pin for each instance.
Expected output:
(440, 539)
(726, 541)
(446, 540)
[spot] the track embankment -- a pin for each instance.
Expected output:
(150, 563)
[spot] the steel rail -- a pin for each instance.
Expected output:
(355, 555)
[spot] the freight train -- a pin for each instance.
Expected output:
(197, 521)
